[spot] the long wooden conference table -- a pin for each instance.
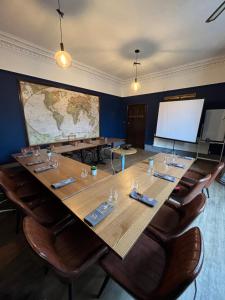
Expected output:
(120, 229)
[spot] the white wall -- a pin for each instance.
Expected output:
(196, 74)
(203, 148)
(19, 56)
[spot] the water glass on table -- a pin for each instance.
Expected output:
(113, 197)
(134, 186)
(84, 173)
(54, 163)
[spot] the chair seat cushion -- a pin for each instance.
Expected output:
(166, 220)
(50, 211)
(180, 192)
(141, 270)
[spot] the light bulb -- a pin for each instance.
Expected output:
(135, 85)
(63, 59)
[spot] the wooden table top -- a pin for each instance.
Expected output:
(161, 167)
(122, 152)
(161, 157)
(67, 168)
(121, 229)
(71, 148)
(87, 144)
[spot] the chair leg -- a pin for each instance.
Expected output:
(18, 221)
(196, 289)
(46, 269)
(70, 291)
(106, 280)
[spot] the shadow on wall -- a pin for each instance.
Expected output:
(69, 7)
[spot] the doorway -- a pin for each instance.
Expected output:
(136, 123)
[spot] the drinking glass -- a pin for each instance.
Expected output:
(54, 163)
(150, 171)
(49, 154)
(24, 151)
(174, 158)
(36, 151)
(113, 197)
(134, 186)
(84, 173)
(166, 160)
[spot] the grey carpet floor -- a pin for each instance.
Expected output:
(22, 274)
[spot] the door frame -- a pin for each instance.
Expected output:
(145, 111)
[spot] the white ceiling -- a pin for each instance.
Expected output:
(104, 33)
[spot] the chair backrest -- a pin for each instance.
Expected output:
(196, 189)
(9, 189)
(6, 182)
(184, 262)
(190, 211)
(42, 241)
(215, 173)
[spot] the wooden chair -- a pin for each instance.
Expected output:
(184, 193)
(173, 219)
(191, 176)
(70, 252)
(154, 270)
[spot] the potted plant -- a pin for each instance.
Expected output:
(93, 170)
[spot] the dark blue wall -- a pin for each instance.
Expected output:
(113, 110)
(213, 94)
(12, 128)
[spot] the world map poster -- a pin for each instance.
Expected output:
(54, 114)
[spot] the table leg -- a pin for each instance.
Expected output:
(122, 162)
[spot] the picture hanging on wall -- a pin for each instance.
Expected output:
(54, 114)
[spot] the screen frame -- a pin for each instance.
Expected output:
(178, 140)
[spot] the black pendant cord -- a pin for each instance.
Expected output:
(136, 63)
(136, 68)
(61, 14)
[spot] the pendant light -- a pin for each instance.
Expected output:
(136, 84)
(62, 57)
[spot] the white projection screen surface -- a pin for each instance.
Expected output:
(179, 120)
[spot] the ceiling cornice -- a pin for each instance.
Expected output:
(23, 47)
(194, 66)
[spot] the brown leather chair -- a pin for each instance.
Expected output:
(23, 189)
(184, 193)
(172, 220)
(46, 210)
(19, 175)
(69, 252)
(154, 270)
(191, 176)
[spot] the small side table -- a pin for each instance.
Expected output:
(123, 153)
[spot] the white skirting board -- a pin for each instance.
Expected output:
(168, 144)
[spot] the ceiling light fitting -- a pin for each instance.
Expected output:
(62, 57)
(136, 84)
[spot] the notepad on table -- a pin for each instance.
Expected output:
(176, 165)
(99, 214)
(32, 163)
(186, 157)
(43, 169)
(143, 198)
(63, 182)
(165, 176)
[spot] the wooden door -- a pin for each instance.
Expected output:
(136, 121)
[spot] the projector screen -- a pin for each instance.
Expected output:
(179, 120)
